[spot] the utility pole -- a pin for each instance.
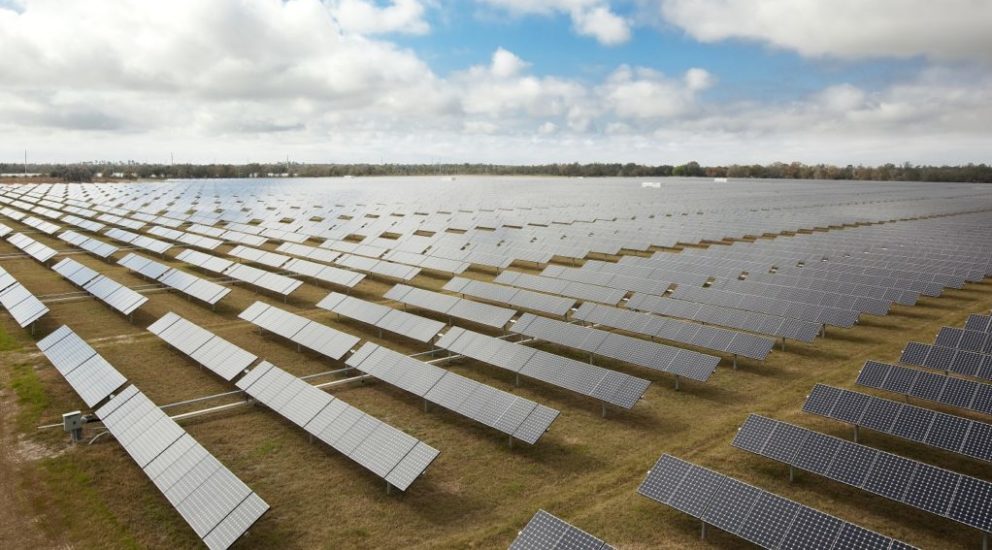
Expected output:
(25, 163)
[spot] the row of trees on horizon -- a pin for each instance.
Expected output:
(83, 172)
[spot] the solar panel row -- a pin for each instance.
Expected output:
(217, 354)
(571, 289)
(105, 289)
(606, 385)
(515, 416)
(213, 501)
(796, 310)
(942, 492)
(680, 362)
(969, 340)
(274, 282)
(300, 330)
(484, 314)
(753, 514)
(517, 297)
(936, 429)
(979, 322)
(751, 321)
(141, 241)
(47, 228)
(929, 386)
(93, 246)
(382, 449)
(547, 532)
(960, 361)
(183, 237)
(703, 336)
(23, 306)
(32, 247)
(89, 374)
(383, 317)
(187, 283)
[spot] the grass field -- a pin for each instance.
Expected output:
(479, 492)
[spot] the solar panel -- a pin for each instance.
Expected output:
(89, 374)
(517, 297)
(881, 473)
(204, 261)
(680, 362)
(813, 313)
(492, 316)
(93, 246)
(384, 317)
(105, 289)
(751, 321)
(515, 416)
(936, 429)
(947, 359)
(217, 354)
(23, 306)
(378, 267)
(141, 241)
(32, 247)
(708, 337)
(572, 289)
(547, 532)
(280, 284)
(187, 283)
(979, 322)
(47, 228)
(300, 330)
(382, 449)
(217, 505)
(753, 514)
(956, 392)
(605, 385)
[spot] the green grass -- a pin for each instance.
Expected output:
(31, 397)
(7, 342)
(76, 511)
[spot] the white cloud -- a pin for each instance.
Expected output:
(229, 80)
(501, 89)
(593, 18)
(367, 17)
(506, 64)
(639, 93)
(940, 30)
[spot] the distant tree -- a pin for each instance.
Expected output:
(74, 173)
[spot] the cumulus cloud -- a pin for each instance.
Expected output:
(367, 17)
(501, 89)
(234, 79)
(640, 93)
(593, 18)
(941, 30)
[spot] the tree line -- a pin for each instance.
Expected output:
(979, 173)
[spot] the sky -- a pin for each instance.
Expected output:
(502, 81)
